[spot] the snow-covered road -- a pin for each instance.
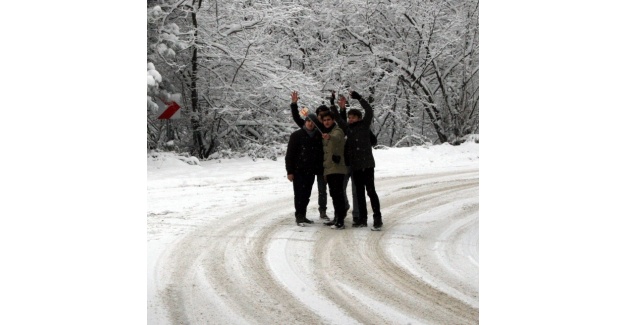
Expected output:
(238, 258)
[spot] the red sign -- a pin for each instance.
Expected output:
(171, 109)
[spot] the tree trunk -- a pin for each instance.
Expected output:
(198, 139)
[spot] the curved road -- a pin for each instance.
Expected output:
(255, 266)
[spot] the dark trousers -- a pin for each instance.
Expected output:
(323, 195)
(337, 193)
(354, 198)
(302, 187)
(364, 179)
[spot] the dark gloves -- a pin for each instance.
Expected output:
(336, 159)
(355, 95)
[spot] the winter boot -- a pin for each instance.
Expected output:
(323, 215)
(340, 224)
(300, 220)
(359, 223)
(306, 220)
(377, 223)
(330, 223)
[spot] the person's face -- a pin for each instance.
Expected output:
(310, 125)
(352, 118)
(327, 122)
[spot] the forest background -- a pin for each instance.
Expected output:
(232, 67)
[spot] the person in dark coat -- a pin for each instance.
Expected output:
(359, 155)
(304, 161)
(321, 184)
(373, 139)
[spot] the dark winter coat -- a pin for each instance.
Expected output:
(358, 151)
(372, 138)
(304, 153)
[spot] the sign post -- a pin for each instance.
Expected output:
(168, 111)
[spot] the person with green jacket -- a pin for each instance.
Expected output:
(334, 168)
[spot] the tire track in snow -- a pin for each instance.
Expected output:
(254, 266)
(362, 270)
(243, 291)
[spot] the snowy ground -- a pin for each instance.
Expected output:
(223, 246)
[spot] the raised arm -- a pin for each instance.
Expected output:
(343, 108)
(339, 119)
(342, 104)
(295, 110)
(365, 104)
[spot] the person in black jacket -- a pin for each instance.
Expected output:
(373, 140)
(304, 161)
(321, 183)
(359, 155)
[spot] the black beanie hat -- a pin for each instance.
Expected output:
(322, 108)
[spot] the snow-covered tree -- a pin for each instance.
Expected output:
(235, 64)
(229, 69)
(416, 57)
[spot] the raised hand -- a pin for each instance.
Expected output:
(342, 101)
(294, 96)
